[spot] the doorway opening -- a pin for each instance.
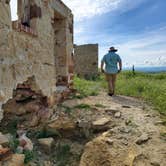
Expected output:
(13, 7)
(60, 49)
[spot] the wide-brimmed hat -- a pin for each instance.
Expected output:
(113, 49)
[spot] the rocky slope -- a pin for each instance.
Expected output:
(101, 130)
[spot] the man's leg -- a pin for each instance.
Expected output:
(110, 85)
(109, 81)
(113, 82)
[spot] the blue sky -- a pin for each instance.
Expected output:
(136, 27)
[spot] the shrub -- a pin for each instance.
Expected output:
(86, 87)
(29, 156)
(13, 144)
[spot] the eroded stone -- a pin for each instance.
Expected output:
(46, 143)
(16, 160)
(142, 139)
(101, 122)
(62, 123)
(117, 115)
(4, 140)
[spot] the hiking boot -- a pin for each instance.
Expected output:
(110, 94)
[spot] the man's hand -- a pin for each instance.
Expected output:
(102, 70)
(119, 70)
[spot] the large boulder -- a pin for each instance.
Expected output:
(15, 160)
(101, 151)
(96, 153)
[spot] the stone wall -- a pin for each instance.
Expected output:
(31, 51)
(23, 55)
(86, 60)
(5, 53)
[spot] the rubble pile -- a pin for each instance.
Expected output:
(28, 106)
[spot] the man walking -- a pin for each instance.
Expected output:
(113, 65)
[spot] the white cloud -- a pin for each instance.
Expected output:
(89, 8)
(79, 30)
(148, 48)
(150, 39)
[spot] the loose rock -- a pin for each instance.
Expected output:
(111, 111)
(24, 141)
(128, 122)
(46, 143)
(5, 153)
(142, 139)
(148, 115)
(125, 130)
(4, 140)
(101, 122)
(16, 160)
(126, 106)
(117, 115)
(62, 123)
(110, 141)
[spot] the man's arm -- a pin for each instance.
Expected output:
(119, 60)
(120, 65)
(102, 65)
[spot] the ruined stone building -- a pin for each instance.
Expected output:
(38, 45)
(86, 60)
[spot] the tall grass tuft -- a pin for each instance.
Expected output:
(150, 87)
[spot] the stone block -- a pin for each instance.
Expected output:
(16, 160)
(46, 143)
(4, 140)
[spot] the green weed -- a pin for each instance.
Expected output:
(29, 156)
(82, 106)
(13, 144)
(62, 154)
(86, 87)
(99, 105)
(67, 110)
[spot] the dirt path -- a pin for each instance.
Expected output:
(135, 129)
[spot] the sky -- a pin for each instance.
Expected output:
(136, 27)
